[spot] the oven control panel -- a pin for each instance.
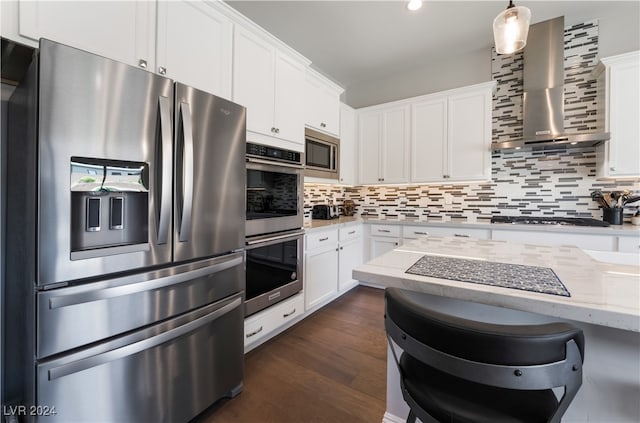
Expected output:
(273, 153)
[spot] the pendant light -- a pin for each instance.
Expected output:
(510, 29)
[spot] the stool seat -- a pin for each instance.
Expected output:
(454, 369)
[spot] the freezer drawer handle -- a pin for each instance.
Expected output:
(141, 286)
(186, 187)
(145, 344)
(163, 180)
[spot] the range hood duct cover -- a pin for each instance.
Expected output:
(543, 98)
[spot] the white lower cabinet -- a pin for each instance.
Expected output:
(268, 321)
(383, 238)
(330, 257)
(349, 256)
(320, 268)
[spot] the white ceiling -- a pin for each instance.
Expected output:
(356, 41)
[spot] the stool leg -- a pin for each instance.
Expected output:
(411, 418)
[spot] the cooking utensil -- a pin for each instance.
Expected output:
(599, 198)
(631, 199)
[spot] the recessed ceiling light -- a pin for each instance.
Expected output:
(414, 5)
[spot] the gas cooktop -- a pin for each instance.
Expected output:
(539, 220)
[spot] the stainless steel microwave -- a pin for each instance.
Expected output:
(322, 155)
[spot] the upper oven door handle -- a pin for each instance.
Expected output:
(274, 163)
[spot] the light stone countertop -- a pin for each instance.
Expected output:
(624, 230)
(601, 294)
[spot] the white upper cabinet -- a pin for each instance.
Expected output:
(620, 81)
(322, 103)
(469, 135)
(270, 85)
(383, 135)
(194, 46)
(451, 136)
(429, 140)
(348, 145)
(120, 30)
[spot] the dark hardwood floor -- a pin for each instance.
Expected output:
(330, 367)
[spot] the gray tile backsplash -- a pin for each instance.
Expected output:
(529, 183)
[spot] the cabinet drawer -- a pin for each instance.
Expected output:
(410, 232)
(386, 230)
(262, 324)
(413, 232)
(350, 232)
(628, 244)
(322, 239)
(583, 241)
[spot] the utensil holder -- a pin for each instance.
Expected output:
(613, 215)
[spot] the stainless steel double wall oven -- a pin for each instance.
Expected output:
(274, 219)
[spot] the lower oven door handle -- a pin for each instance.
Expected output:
(275, 238)
(65, 300)
(145, 344)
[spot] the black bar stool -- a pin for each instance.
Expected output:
(459, 370)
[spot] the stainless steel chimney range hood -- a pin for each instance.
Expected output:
(543, 99)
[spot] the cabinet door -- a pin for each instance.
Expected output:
(395, 145)
(321, 277)
(348, 163)
(288, 100)
(369, 139)
(194, 46)
(350, 256)
(623, 112)
(381, 245)
(120, 30)
(253, 79)
(469, 136)
(322, 106)
(429, 140)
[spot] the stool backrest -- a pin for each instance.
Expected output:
(525, 357)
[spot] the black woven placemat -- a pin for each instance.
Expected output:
(506, 275)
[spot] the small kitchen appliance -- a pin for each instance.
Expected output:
(324, 212)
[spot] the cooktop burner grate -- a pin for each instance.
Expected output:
(541, 220)
(505, 275)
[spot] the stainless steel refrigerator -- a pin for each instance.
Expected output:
(125, 243)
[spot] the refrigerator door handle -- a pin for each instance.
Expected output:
(145, 344)
(187, 176)
(144, 285)
(164, 178)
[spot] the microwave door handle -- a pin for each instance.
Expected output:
(187, 176)
(165, 165)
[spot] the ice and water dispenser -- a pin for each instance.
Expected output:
(109, 205)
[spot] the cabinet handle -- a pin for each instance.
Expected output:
(421, 233)
(162, 70)
(142, 63)
(461, 235)
(613, 169)
(445, 176)
(249, 335)
(341, 248)
(396, 244)
(323, 239)
(323, 125)
(386, 231)
(277, 130)
(273, 130)
(289, 313)
(351, 232)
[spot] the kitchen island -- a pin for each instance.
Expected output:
(604, 300)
